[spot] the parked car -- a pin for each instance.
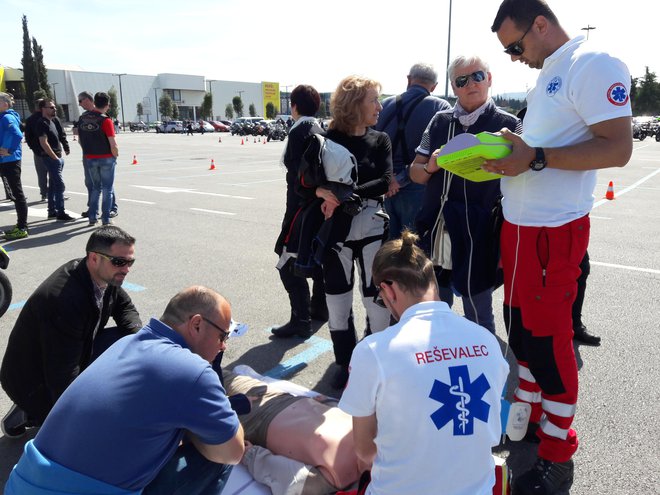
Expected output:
(219, 126)
(197, 126)
(171, 126)
(226, 122)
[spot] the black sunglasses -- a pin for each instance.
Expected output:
(224, 334)
(116, 260)
(477, 77)
(516, 49)
(378, 301)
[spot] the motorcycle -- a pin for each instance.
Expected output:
(138, 126)
(277, 131)
(5, 284)
(639, 132)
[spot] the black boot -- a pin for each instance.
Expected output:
(295, 326)
(581, 334)
(343, 343)
(318, 308)
(545, 478)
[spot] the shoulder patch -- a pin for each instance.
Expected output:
(617, 94)
(553, 86)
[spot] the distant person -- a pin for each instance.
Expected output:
(32, 140)
(97, 139)
(61, 327)
(11, 153)
(189, 129)
(149, 416)
(404, 118)
(53, 146)
(457, 207)
(86, 101)
(305, 102)
(354, 238)
(424, 393)
(578, 120)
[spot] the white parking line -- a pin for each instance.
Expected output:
(213, 211)
(626, 267)
(137, 201)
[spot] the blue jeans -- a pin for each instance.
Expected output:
(88, 185)
(189, 473)
(402, 209)
(55, 185)
(102, 174)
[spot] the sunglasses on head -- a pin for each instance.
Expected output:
(116, 260)
(378, 301)
(462, 81)
(516, 49)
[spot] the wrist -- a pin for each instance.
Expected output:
(426, 169)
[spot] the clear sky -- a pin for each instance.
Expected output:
(305, 41)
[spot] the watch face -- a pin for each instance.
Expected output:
(539, 162)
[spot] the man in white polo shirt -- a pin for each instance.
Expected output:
(424, 393)
(577, 121)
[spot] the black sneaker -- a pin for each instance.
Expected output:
(14, 423)
(545, 478)
(581, 334)
(84, 214)
(64, 217)
(52, 215)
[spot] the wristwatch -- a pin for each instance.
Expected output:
(539, 162)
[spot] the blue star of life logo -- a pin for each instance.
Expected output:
(461, 401)
(553, 86)
(617, 94)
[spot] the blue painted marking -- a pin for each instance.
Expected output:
(126, 286)
(17, 305)
(300, 360)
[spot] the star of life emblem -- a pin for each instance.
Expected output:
(617, 94)
(461, 401)
(553, 86)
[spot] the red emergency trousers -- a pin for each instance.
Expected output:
(541, 268)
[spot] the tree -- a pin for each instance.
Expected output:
(206, 111)
(175, 111)
(270, 110)
(140, 110)
(322, 113)
(238, 105)
(40, 68)
(29, 71)
(645, 99)
(165, 105)
(252, 110)
(229, 111)
(113, 111)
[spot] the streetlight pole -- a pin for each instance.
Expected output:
(587, 29)
(448, 47)
(121, 100)
(156, 100)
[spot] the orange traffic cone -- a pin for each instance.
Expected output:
(610, 191)
(242, 141)
(134, 160)
(212, 167)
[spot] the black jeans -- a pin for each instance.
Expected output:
(11, 171)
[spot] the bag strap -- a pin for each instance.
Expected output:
(400, 136)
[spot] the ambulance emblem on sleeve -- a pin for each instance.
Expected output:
(617, 94)
(461, 401)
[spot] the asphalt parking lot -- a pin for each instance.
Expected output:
(217, 227)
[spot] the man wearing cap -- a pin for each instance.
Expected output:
(159, 422)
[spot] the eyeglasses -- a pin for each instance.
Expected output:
(224, 334)
(116, 260)
(378, 301)
(477, 77)
(516, 49)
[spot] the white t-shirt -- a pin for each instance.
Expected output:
(434, 381)
(576, 88)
